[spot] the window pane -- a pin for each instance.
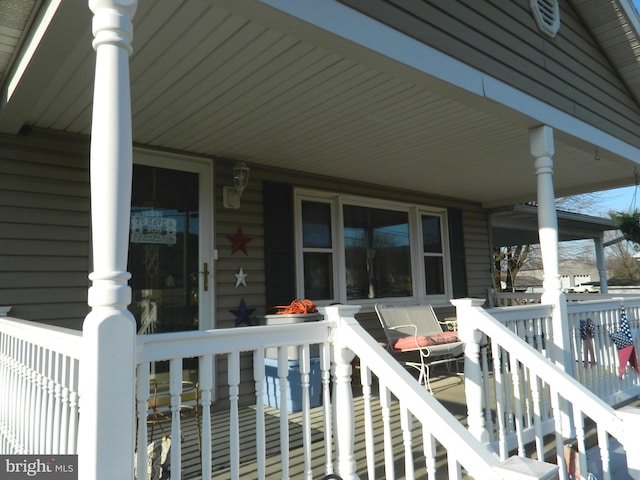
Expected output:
(377, 253)
(431, 237)
(434, 274)
(318, 276)
(316, 225)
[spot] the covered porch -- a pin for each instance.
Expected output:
(332, 93)
(374, 420)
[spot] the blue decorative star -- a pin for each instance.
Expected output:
(242, 314)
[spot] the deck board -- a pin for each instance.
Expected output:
(447, 388)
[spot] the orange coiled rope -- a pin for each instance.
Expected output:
(297, 307)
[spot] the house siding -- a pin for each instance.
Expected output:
(45, 227)
(501, 39)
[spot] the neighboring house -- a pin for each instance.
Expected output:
(377, 138)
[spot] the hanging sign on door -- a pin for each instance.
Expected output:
(158, 230)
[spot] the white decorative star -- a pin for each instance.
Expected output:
(241, 278)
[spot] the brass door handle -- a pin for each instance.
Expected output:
(205, 274)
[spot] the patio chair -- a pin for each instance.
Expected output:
(412, 329)
(160, 406)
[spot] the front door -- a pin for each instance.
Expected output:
(170, 245)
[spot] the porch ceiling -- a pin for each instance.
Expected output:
(241, 80)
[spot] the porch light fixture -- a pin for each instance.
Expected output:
(231, 195)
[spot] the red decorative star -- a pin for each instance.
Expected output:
(239, 241)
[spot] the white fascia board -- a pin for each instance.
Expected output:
(360, 29)
(557, 119)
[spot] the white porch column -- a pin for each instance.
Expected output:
(106, 441)
(600, 263)
(542, 150)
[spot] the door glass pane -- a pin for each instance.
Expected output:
(163, 249)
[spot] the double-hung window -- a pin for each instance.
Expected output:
(350, 249)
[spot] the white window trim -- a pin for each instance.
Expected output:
(337, 201)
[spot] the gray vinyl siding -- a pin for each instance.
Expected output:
(501, 39)
(44, 227)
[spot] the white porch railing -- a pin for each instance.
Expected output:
(337, 340)
(517, 398)
(39, 367)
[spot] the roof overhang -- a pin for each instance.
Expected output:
(326, 91)
(518, 225)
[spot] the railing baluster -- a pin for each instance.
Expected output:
(73, 406)
(385, 404)
(365, 381)
(429, 448)
(407, 440)
(283, 370)
(325, 369)
(486, 389)
(517, 394)
(205, 386)
(51, 404)
(559, 441)
(233, 378)
(57, 407)
(305, 369)
(537, 416)
(175, 392)
(603, 443)
(142, 397)
(581, 445)
(455, 472)
(259, 379)
(500, 403)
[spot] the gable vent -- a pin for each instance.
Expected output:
(547, 15)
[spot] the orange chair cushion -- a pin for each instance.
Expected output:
(410, 343)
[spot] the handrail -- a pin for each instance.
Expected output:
(571, 401)
(62, 340)
(459, 443)
(163, 346)
(545, 369)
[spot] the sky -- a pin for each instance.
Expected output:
(618, 200)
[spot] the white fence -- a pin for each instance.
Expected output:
(39, 367)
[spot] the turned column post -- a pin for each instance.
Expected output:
(107, 415)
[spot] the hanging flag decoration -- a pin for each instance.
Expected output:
(243, 314)
(624, 341)
(239, 241)
(587, 332)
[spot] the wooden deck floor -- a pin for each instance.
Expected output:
(447, 388)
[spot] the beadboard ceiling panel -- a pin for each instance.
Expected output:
(206, 78)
